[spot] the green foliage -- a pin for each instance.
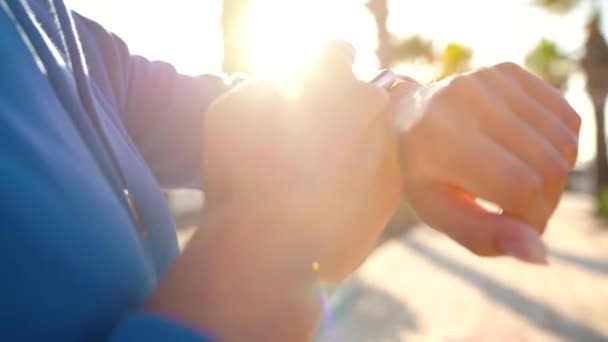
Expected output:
(603, 202)
(454, 59)
(549, 63)
(558, 6)
(412, 48)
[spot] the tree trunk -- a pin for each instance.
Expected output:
(601, 160)
(595, 65)
(234, 14)
(379, 9)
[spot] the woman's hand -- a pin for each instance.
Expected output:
(324, 165)
(297, 189)
(498, 133)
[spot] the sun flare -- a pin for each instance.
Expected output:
(281, 36)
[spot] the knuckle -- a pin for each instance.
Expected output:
(555, 170)
(484, 73)
(524, 187)
(508, 67)
(574, 121)
(569, 149)
(459, 88)
(562, 170)
(530, 186)
(460, 82)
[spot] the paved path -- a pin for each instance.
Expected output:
(424, 287)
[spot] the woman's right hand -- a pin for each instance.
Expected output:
(498, 133)
(297, 189)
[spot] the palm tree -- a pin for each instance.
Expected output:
(550, 64)
(453, 59)
(234, 13)
(413, 48)
(594, 64)
(379, 9)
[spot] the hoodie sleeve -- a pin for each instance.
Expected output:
(161, 109)
(150, 327)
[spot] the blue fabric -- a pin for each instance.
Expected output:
(148, 327)
(76, 112)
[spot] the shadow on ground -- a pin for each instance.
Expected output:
(539, 314)
(594, 265)
(363, 313)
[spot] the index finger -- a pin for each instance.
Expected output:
(482, 232)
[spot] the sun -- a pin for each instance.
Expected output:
(281, 36)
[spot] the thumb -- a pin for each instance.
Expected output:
(331, 65)
(484, 233)
(338, 54)
(329, 80)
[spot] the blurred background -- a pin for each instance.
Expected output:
(417, 285)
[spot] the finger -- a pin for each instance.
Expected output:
(514, 134)
(453, 212)
(546, 95)
(339, 50)
(474, 162)
(540, 118)
(331, 70)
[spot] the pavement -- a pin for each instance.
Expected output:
(424, 287)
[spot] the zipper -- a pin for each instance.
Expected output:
(18, 9)
(77, 57)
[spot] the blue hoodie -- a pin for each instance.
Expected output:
(81, 120)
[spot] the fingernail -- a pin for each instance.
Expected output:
(529, 249)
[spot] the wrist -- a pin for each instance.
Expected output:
(237, 290)
(406, 104)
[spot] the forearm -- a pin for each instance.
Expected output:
(238, 291)
(161, 110)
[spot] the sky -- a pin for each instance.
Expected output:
(187, 33)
